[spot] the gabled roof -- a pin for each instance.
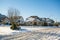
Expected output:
(2, 17)
(33, 18)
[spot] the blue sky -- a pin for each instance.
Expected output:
(41, 8)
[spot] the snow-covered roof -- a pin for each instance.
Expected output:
(36, 18)
(32, 18)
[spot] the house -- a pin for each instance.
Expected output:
(2, 17)
(6, 21)
(19, 20)
(49, 21)
(33, 20)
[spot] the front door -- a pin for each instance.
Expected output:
(35, 23)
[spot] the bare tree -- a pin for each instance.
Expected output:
(13, 16)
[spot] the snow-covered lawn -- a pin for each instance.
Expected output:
(5, 30)
(31, 33)
(34, 28)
